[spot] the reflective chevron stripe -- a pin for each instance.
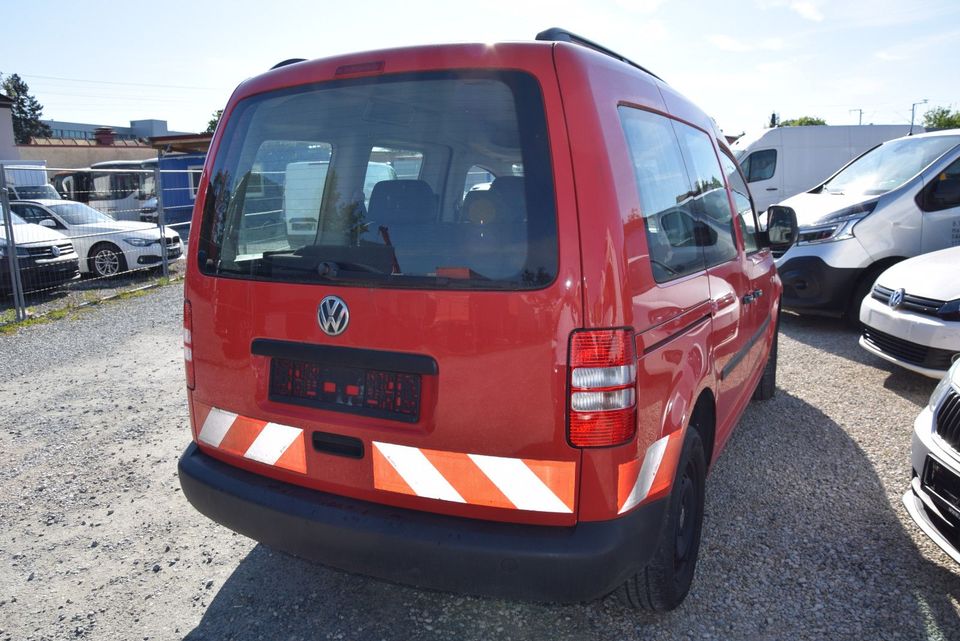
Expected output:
(269, 443)
(637, 481)
(475, 479)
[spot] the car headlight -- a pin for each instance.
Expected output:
(21, 251)
(950, 311)
(139, 242)
(836, 226)
(944, 385)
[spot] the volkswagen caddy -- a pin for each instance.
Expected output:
(514, 391)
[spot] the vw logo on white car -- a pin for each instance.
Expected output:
(333, 315)
(55, 251)
(896, 298)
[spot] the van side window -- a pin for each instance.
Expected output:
(943, 192)
(760, 165)
(746, 218)
(708, 195)
(664, 190)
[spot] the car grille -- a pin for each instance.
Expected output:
(948, 420)
(917, 304)
(47, 250)
(903, 350)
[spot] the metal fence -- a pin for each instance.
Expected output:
(72, 237)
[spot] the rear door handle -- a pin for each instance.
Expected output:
(772, 188)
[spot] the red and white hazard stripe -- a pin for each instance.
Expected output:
(637, 481)
(269, 443)
(475, 479)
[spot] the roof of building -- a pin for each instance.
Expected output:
(82, 142)
(5, 100)
(183, 143)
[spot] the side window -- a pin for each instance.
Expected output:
(193, 176)
(746, 218)
(943, 192)
(664, 188)
(708, 195)
(760, 165)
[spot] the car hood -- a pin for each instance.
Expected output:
(144, 229)
(932, 275)
(31, 234)
(811, 208)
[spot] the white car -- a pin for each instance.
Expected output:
(107, 247)
(912, 316)
(933, 499)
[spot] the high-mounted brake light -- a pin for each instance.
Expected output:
(188, 344)
(603, 379)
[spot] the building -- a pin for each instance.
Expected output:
(8, 147)
(138, 129)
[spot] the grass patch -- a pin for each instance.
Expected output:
(9, 325)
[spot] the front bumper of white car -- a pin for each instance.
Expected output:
(924, 344)
(933, 499)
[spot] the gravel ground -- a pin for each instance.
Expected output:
(805, 536)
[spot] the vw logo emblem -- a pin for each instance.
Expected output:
(333, 315)
(896, 298)
(55, 251)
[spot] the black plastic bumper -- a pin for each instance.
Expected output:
(811, 285)
(540, 563)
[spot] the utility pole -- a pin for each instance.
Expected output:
(860, 111)
(913, 110)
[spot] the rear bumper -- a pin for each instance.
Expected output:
(539, 563)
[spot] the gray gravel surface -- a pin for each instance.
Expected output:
(805, 536)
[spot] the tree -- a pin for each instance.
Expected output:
(214, 119)
(802, 121)
(941, 118)
(26, 111)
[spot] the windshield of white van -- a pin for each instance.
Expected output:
(888, 166)
(366, 182)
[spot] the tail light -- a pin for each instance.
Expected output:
(603, 380)
(188, 344)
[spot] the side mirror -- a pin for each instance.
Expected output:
(50, 223)
(782, 228)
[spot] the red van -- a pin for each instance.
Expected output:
(514, 390)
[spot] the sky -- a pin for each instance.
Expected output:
(109, 63)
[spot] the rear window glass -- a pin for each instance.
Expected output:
(362, 182)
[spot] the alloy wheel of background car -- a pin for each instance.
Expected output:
(106, 261)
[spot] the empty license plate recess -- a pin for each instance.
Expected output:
(357, 390)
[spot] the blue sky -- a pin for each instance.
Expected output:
(109, 63)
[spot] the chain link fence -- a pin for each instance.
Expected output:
(73, 237)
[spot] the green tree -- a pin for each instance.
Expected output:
(214, 119)
(803, 121)
(941, 118)
(26, 111)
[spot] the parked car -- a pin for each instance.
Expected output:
(912, 316)
(109, 247)
(515, 392)
(896, 201)
(45, 258)
(933, 499)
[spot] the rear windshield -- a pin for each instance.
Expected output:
(369, 182)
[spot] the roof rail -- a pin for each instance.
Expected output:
(557, 34)
(288, 61)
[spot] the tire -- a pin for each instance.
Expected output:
(665, 582)
(106, 260)
(767, 386)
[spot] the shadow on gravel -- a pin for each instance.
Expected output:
(801, 541)
(836, 337)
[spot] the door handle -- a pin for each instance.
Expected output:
(772, 188)
(750, 297)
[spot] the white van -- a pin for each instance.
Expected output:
(898, 200)
(784, 161)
